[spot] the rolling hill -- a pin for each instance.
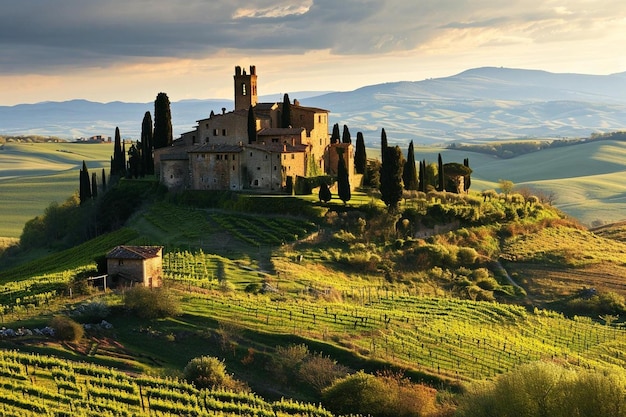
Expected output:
(477, 104)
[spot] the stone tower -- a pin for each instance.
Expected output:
(245, 88)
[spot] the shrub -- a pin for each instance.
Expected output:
(150, 303)
(379, 396)
(546, 389)
(320, 371)
(209, 372)
(66, 329)
(92, 311)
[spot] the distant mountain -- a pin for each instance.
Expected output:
(478, 104)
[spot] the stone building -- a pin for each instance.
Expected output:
(220, 154)
(128, 266)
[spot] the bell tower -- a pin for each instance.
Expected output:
(245, 88)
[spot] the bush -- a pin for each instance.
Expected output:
(209, 372)
(320, 371)
(66, 329)
(91, 312)
(379, 396)
(546, 389)
(151, 303)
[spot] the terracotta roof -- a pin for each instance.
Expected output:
(216, 148)
(134, 252)
(280, 131)
(277, 147)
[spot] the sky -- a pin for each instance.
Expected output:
(130, 50)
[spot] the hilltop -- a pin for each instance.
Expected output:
(258, 277)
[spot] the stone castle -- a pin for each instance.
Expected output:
(221, 154)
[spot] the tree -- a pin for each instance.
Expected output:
(84, 189)
(345, 137)
(467, 178)
(409, 174)
(286, 112)
(506, 186)
(441, 182)
(334, 137)
(360, 157)
(251, 125)
(94, 185)
(118, 162)
(134, 161)
(422, 177)
(324, 194)
(162, 136)
(104, 181)
(383, 144)
(455, 176)
(150, 303)
(391, 177)
(343, 181)
(147, 145)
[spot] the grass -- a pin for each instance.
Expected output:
(34, 175)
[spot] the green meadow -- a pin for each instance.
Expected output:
(33, 175)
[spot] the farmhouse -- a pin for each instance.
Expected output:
(249, 148)
(135, 265)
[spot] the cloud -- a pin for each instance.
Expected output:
(61, 35)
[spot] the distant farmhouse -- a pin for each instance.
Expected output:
(128, 266)
(222, 153)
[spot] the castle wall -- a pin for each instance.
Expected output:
(216, 170)
(174, 174)
(229, 128)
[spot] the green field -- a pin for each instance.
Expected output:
(32, 175)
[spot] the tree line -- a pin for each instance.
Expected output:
(393, 173)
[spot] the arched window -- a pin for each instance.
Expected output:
(243, 89)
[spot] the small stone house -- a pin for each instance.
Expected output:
(128, 266)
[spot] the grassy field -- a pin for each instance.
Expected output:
(34, 175)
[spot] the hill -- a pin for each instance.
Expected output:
(476, 105)
(258, 277)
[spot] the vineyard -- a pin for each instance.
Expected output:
(37, 385)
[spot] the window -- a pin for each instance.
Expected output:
(226, 157)
(319, 118)
(258, 168)
(206, 125)
(274, 167)
(223, 132)
(234, 157)
(243, 89)
(233, 167)
(120, 262)
(274, 140)
(216, 132)
(293, 156)
(250, 153)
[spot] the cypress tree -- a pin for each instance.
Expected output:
(84, 190)
(441, 185)
(94, 185)
(343, 181)
(123, 161)
(251, 125)
(116, 166)
(383, 145)
(162, 136)
(391, 177)
(467, 179)
(285, 116)
(147, 145)
(104, 181)
(334, 137)
(422, 177)
(345, 137)
(360, 157)
(324, 194)
(409, 174)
